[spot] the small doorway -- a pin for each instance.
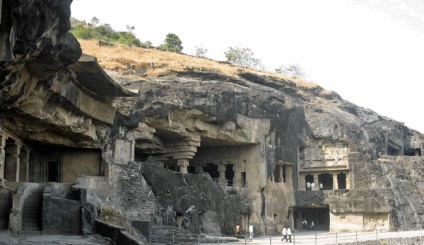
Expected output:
(320, 216)
(53, 169)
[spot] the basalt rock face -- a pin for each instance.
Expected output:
(257, 138)
(36, 48)
(289, 119)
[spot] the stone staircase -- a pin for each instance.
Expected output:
(171, 235)
(32, 211)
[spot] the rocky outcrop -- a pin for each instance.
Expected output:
(196, 149)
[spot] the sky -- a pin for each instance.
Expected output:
(369, 51)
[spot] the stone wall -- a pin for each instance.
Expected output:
(81, 162)
(61, 210)
(5, 206)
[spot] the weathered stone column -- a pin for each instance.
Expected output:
(289, 174)
(335, 182)
(2, 158)
(221, 169)
(316, 183)
(12, 163)
(280, 173)
(302, 182)
(347, 181)
(183, 164)
(24, 165)
(291, 218)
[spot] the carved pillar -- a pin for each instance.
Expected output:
(221, 180)
(302, 182)
(289, 174)
(183, 164)
(291, 218)
(280, 173)
(335, 182)
(2, 158)
(316, 183)
(347, 181)
(24, 165)
(12, 162)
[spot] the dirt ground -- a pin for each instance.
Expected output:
(6, 238)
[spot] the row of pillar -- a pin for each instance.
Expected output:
(183, 165)
(302, 184)
(14, 160)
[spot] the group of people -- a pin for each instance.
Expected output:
(311, 186)
(305, 225)
(286, 234)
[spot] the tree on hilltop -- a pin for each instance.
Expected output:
(94, 21)
(243, 57)
(292, 70)
(200, 51)
(172, 43)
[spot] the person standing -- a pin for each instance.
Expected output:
(304, 224)
(250, 232)
(312, 225)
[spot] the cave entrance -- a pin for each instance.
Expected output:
(320, 216)
(326, 180)
(212, 170)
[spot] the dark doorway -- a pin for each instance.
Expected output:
(212, 170)
(326, 180)
(53, 170)
(341, 181)
(243, 180)
(309, 179)
(229, 174)
(320, 217)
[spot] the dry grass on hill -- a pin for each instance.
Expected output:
(158, 62)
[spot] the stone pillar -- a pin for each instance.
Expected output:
(280, 173)
(237, 178)
(302, 182)
(221, 180)
(335, 182)
(24, 165)
(289, 175)
(347, 181)
(183, 164)
(12, 163)
(316, 183)
(2, 158)
(291, 218)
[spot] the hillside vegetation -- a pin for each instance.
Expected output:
(150, 62)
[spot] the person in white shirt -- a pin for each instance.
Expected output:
(250, 232)
(289, 234)
(284, 233)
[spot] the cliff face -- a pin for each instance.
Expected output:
(314, 129)
(237, 149)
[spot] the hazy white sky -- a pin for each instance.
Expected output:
(369, 51)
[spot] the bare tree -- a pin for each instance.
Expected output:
(201, 51)
(291, 70)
